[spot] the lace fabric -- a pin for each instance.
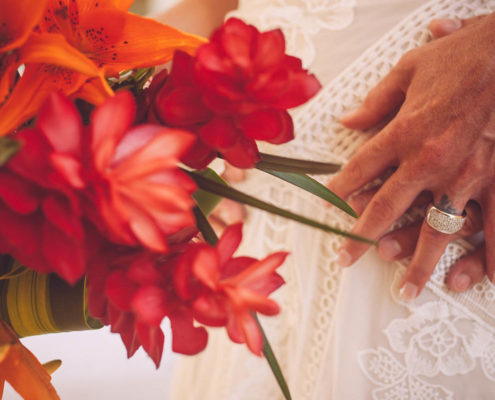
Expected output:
(426, 349)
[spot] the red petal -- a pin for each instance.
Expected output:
(61, 124)
(107, 130)
(210, 310)
(219, 133)
(206, 267)
(143, 271)
(59, 212)
(69, 168)
(270, 49)
(238, 40)
(120, 289)
(244, 154)
(66, 256)
(229, 242)
(236, 265)
(149, 305)
(258, 271)
(257, 302)
(181, 107)
(270, 125)
(18, 194)
(152, 341)
(186, 338)
(199, 155)
(251, 332)
(301, 87)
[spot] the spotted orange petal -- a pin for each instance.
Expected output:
(17, 20)
(37, 82)
(120, 41)
(21, 369)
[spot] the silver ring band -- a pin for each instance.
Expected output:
(444, 222)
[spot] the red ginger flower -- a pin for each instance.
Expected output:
(69, 182)
(195, 283)
(224, 291)
(235, 91)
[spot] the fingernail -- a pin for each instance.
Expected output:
(349, 115)
(408, 291)
(450, 25)
(344, 258)
(462, 282)
(389, 248)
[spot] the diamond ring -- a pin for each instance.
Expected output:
(444, 222)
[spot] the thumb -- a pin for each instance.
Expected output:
(445, 26)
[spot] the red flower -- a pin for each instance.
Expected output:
(226, 291)
(69, 182)
(235, 91)
(133, 294)
(136, 186)
(41, 212)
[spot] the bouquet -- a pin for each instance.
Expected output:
(104, 185)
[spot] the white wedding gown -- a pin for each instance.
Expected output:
(344, 333)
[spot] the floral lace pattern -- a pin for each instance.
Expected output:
(444, 336)
(300, 20)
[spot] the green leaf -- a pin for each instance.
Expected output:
(8, 148)
(285, 164)
(230, 193)
(205, 200)
(312, 186)
(205, 227)
(273, 363)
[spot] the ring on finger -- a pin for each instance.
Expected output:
(443, 221)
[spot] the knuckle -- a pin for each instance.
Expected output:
(354, 171)
(383, 207)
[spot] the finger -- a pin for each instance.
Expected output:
(360, 201)
(402, 242)
(384, 99)
(388, 204)
(468, 271)
(489, 229)
(229, 212)
(233, 174)
(445, 26)
(430, 247)
(371, 160)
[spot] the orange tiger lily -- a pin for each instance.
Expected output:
(20, 368)
(100, 32)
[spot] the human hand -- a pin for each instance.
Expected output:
(400, 243)
(441, 140)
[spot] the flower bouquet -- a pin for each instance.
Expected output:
(104, 185)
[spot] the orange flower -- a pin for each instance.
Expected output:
(101, 36)
(21, 369)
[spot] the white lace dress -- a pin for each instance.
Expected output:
(345, 334)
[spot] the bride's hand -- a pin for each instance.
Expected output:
(441, 139)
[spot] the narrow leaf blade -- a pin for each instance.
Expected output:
(230, 193)
(285, 164)
(204, 227)
(273, 363)
(312, 186)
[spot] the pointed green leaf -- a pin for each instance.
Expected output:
(273, 363)
(312, 186)
(285, 164)
(207, 201)
(204, 227)
(8, 148)
(230, 193)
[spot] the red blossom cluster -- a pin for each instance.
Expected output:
(107, 200)
(234, 91)
(194, 283)
(72, 188)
